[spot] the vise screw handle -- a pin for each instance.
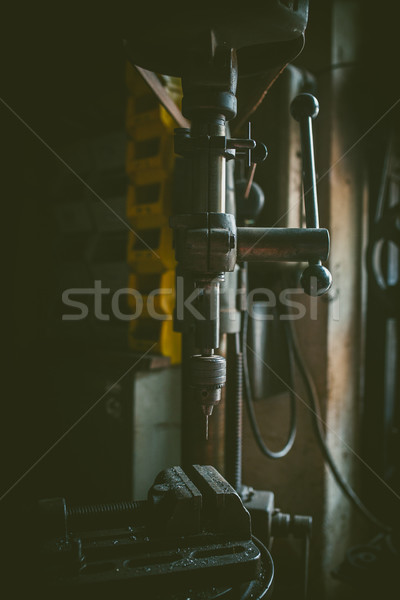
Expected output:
(316, 279)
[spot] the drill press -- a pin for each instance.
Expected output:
(221, 54)
(194, 524)
(207, 242)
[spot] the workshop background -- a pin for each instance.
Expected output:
(68, 102)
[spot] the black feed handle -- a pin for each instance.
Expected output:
(316, 279)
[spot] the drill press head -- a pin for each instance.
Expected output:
(174, 36)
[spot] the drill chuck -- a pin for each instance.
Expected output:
(208, 376)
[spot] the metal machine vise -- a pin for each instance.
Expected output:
(193, 533)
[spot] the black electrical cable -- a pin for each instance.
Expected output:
(295, 356)
(249, 401)
(319, 432)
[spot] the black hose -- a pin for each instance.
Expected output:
(319, 432)
(295, 356)
(249, 403)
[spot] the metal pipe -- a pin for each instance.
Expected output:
(265, 244)
(208, 166)
(304, 109)
(208, 305)
(309, 179)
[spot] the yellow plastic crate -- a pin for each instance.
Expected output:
(138, 87)
(157, 293)
(143, 111)
(152, 151)
(144, 333)
(149, 197)
(150, 248)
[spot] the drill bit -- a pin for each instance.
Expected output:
(207, 412)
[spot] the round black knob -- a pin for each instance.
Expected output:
(303, 106)
(247, 210)
(316, 280)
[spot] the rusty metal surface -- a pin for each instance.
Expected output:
(162, 95)
(281, 244)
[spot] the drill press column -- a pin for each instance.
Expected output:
(205, 237)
